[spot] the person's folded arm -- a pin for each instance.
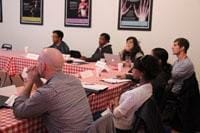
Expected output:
(181, 72)
(28, 107)
(117, 113)
(124, 107)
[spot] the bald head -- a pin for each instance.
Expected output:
(53, 58)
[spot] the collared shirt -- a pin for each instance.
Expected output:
(130, 101)
(63, 47)
(61, 102)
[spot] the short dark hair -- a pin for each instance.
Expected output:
(148, 65)
(162, 55)
(59, 33)
(182, 42)
(106, 36)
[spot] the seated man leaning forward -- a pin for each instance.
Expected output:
(61, 101)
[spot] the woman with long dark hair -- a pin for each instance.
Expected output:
(132, 49)
(160, 82)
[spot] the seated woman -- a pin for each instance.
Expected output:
(145, 70)
(160, 82)
(131, 51)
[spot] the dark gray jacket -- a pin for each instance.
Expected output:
(99, 53)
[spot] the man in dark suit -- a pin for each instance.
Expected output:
(104, 47)
(58, 43)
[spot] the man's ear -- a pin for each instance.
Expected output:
(183, 48)
(43, 67)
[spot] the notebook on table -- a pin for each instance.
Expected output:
(7, 96)
(93, 88)
(3, 100)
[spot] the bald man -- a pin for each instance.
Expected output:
(61, 101)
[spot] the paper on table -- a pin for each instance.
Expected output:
(102, 66)
(115, 80)
(10, 101)
(76, 60)
(32, 56)
(8, 91)
(86, 74)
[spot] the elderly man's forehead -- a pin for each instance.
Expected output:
(51, 55)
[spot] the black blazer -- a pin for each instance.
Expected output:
(159, 88)
(63, 48)
(99, 53)
(148, 118)
(182, 110)
(189, 105)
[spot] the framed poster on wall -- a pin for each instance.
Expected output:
(135, 14)
(78, 13)
(1, 10)
(31, 12)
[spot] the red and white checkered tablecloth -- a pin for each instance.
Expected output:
(19, 63)
(99, 102)
(15, 62)
(9, 124)
(5, 63)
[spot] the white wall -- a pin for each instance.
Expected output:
(171, 19)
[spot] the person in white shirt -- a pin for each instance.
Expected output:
(145, 69)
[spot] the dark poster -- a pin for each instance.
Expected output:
(78, 13)
(31, 12)
(135, 14)
(1, 14)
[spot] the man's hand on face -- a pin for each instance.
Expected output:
(33, 74)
